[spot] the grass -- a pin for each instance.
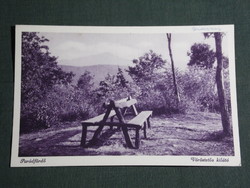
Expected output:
(182, 134)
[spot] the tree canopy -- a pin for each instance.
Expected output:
(40, 73)
(120, 79)
(39, 69)
(85, 81)
(201, 55)
(114, 86)
(146, 66)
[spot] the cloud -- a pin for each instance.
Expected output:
(144, 44)
(127, 47)
(71, 45)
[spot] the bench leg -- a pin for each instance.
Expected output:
(149, 126)
(137, 138)
(144, 129)
(84, 136)
(127, 137)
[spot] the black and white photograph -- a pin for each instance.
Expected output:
(87, 96)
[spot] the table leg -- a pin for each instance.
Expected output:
(84, 135)
(144, 129)
(137, 138)
(149, 126)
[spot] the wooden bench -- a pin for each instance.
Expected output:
(140, 122)
(98, 119)
(119, 109)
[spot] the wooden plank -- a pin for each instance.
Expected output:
(122, 100)
(134, 110)
(115, 124)
(98, 118)
(140, 118)
(124, 128)
(127, 137)
(106, 116)
(125, 103)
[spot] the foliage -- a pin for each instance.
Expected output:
(73, 103)
(47, 98)
(40, 73)
(120, 79)
(225, 62)
(85, 82)
(199, 83)
(157, 95)
(199, 89)
(201, 55)
(146, 67)
(116, 87)
(39, 69)
(149, 75)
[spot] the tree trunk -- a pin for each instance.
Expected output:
(173, 71)
(220, 85)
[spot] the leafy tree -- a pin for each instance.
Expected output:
(219, 81)
(225, 62)
(106, 87)
(146, 67)
(40, 73)
(148, 74)
(39, 69)
(120, 79)
(201, 55)
(199, 88)
(85, 82)
(116, 87)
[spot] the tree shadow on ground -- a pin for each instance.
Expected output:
(45, 145)
(215, 136)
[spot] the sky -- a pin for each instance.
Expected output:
(73, 48)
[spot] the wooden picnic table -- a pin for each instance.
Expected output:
(118, 109)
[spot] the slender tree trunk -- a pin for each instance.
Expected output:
(173, 70)
(220, 85)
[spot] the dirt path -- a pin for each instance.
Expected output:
(189, 134)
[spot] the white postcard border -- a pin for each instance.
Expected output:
(17, 161)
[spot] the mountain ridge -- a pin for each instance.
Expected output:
(99, 72)
(98, 59)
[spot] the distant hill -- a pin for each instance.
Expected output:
(98, 71)
(99, 59)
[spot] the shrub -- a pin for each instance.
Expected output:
(116, 87)
(199, 89)
(40, 73)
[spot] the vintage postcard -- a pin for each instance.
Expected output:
(95, 96)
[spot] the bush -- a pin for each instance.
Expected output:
(199, 89)
(40, 73)
(62, 103)
(116, 87)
